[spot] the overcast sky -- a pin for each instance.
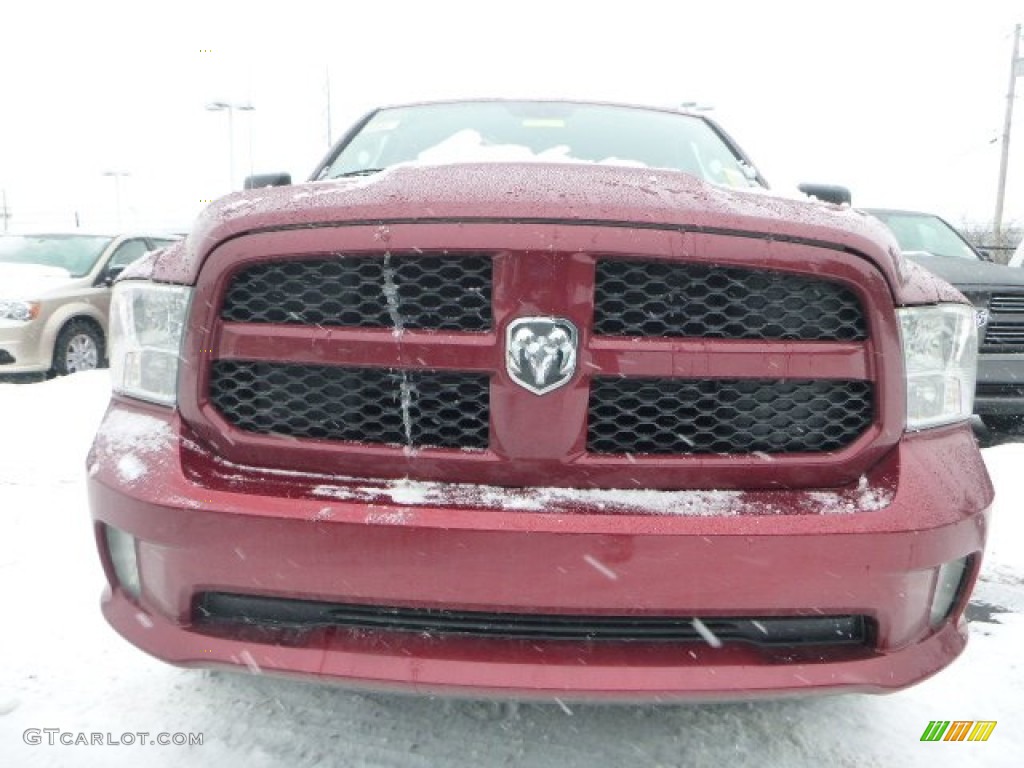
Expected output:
(902, 101)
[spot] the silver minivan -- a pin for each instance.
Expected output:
(55, 297)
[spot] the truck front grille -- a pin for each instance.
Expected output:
(345, 358)
(417, 409)
(428, 291)
(647, 298)
(676, 416)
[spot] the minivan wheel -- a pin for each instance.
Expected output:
(79, 347)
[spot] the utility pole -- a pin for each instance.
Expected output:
(327, 73)
(5, 212)
(117, 176)
(1016, 70)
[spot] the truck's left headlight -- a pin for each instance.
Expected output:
(940, 353)
(147, 323)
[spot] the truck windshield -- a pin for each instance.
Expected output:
(559, 132)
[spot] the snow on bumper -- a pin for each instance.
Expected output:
(873, 552)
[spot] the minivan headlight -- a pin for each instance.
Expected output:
(147, 323)
(940, 355)
(22, 311)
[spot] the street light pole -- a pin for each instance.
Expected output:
(117, 176)
(5, 212)
(1016, 70)
(230, 107)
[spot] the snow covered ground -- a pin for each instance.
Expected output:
(62, 668)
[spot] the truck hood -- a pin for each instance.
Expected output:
(969, 274)
(548, 192)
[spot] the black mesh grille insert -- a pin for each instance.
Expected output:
(368, 405)
(637, 298)
(420, 291)
(217, 608)
(680, 416)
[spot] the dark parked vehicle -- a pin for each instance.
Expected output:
(544, 399)
(997, 293)
(1017, 257)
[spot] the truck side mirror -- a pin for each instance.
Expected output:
(829, 193)
(268, 180)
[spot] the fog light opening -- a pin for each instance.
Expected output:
(121, 546)
(949, 583)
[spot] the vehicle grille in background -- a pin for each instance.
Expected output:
(369, 405)
(1007, 302)
(679, 416)
(637, 298)
(1004, 334)
(999, 390)
(1005, 329)
(416, 291)
(222, 609)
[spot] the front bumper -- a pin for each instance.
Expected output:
(768, 554)
(21, 348)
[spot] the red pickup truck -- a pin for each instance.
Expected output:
(541, 399)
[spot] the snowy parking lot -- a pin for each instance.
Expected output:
(66, 674)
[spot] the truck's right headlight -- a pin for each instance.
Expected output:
(147, 323)
(940, 353)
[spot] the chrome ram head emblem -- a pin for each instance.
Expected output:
(540, 352)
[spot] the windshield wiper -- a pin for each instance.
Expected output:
(361, 172)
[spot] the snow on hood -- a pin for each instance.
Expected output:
(31, 281)
(532, 191)
(411, 493)
(511, 186)
(406, 494)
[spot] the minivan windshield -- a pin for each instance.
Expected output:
(75, 253)
(559, 132)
